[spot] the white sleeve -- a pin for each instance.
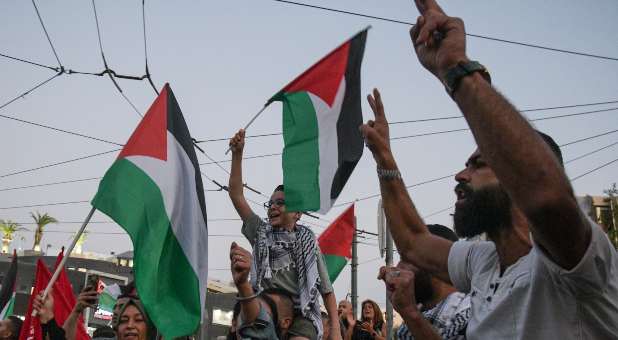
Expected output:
(459, 265)
(596, 267)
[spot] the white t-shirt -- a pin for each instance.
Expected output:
(536, 298)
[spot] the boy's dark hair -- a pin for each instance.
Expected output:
(16, 324)
(279, 188)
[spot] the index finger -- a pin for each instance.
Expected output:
(425, 5)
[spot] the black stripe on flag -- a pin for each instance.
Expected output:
(177, 126)
(349, 139)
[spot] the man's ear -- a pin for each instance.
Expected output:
(298, 215)
(285, 323)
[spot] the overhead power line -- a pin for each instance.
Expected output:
(60, 130)
(43, 205)
(111, 76)
(590, 153)
(46, 34)
(594, 170)
(50, 184)
(589, 138)
(59, 163)
(57, 69)
(30, 90)
(421, 120)
(505, 41)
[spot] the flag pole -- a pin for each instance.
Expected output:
(60, 265)
(251, 122)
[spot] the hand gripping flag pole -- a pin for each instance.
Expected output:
(60, 265)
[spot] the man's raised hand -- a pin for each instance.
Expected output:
(375, 131)
(237, 143)
(399, 288)
(439, 40)
(240, 263)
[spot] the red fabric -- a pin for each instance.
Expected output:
(31, 328)
(64, 301)
(150, 136)
(324, 77)
(337, 238)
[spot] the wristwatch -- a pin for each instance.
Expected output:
(462, 69)
(388, 173)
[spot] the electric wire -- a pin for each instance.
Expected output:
(30, 90)
(46, 34)
(505, 41)
(594, 170)
(588, 138)
(148, 76)
(58, 163)
(50, 184)
(60, 130)
(56, 69)
(110, 74)
(590, 153)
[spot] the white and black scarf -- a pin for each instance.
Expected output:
(304, 252)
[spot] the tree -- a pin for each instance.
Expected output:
(41, 221)
(8, 228)
(612, 218)
(80, 242)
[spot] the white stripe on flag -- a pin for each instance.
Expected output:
(176, 180)
(328, 143)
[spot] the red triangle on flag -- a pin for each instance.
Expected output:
(150, 136)
(337, 238)
(323, 78)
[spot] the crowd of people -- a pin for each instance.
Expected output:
(545, 271)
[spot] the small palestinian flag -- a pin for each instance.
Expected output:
(154, 191)
(7, 294)
(321, 117)
(336, 243)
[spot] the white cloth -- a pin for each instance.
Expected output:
(449, 318)
(535, 298)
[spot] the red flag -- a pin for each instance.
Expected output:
(31, 328)
(64, 301)
(336, 243)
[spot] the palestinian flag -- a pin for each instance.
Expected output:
(154, 191)
(336, 243)
(7, 294)
(321, 116)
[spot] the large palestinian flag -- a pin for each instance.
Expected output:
(7, 294)
(336, 243)
(154, 191)
(321, 116)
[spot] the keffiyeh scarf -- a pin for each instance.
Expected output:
(303, 251)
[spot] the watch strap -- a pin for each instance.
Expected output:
(462, 69)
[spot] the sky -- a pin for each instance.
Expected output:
(224, 59)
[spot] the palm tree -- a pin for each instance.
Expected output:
(41, 221)
(8, 228)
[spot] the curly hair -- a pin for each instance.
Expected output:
(378, 318)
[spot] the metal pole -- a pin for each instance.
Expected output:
(354, 264)
(65, 257)
(389, 306)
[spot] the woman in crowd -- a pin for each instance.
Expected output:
(370, 326)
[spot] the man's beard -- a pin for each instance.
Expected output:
(485, 210)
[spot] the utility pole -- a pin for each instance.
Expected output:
(389, 305)
(354, 264)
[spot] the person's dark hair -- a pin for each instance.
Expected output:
(442, 231)
(279, 188)
(127, 290)
(16, 324)
(104, 332)
(553, 146)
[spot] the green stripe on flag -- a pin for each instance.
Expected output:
(334, 265)
(8, 309)
(301, 157)
(106, 302)
(167, 284)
